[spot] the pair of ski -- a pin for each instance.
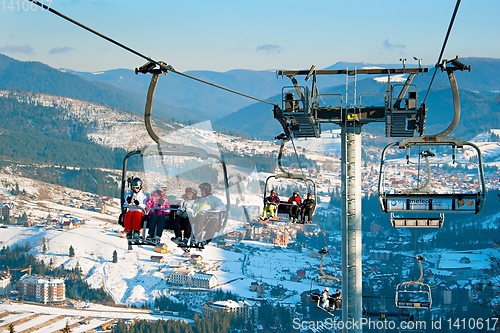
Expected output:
(269, 219)
(191, 244)
(141, 241)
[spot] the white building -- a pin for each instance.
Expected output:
(187, 277)
(181, 276)
(245, 309)
(201, 280)
(4, 283)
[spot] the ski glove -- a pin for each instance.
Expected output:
(129, 199)
(136, 202)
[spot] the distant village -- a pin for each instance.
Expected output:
(456, 277)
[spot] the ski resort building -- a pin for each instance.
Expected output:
(187, 277)
(181, 276)
(201, 280)
(4, 283)
(245, 309)
(42, 289)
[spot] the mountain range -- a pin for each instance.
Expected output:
(180, 99)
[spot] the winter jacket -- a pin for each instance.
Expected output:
(141, 197)
(297, 199)
(273, 199)
(214, 202)
(157, 201)
(309, 204)
(188, 207)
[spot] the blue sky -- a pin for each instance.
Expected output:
(221, 35)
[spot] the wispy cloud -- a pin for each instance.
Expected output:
(270, 48)
(390, 46)
(26, 49)
(57, 50)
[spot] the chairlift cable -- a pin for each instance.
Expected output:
(442, 49)
(317, 219)
(221, 87)
(326, 244)
(302, 171)
(163, 67)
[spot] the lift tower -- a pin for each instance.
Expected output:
(301, 115)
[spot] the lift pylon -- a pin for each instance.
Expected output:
(350, 114)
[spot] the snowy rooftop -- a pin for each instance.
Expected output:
(477, 260)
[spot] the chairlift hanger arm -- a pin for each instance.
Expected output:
(445, 66)
(323, 276)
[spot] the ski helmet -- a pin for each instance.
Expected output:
(136, 183)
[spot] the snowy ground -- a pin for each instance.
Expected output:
(135, 279)
(97, 314)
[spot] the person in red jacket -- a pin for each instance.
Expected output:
(293, 211)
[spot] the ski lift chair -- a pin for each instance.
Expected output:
(172, 150)
(284, 206)
(414, 294)
(315, 297)
(422, 199)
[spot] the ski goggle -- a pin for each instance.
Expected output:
(191, 190)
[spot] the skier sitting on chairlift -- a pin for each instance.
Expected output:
(336, 300)
(295, 202)
(208, 206)
(181, 223)
(136, 204)
(157, 217)
(324, 299)
(271, 206)
(308, 208)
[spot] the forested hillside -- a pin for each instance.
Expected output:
(38, 77)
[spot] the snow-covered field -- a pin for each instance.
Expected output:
(134, 279)
(82, 319)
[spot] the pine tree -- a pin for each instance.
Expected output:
(78, 270)
(11, 328)
(71, 251)
(115, 257)
(44, 248)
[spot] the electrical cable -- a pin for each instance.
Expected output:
(163, 67)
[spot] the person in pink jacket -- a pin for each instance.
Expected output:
(156, 206)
